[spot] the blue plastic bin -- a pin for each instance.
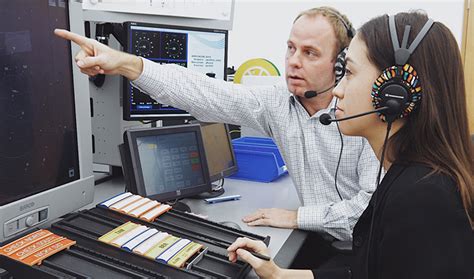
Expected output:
(258, 159)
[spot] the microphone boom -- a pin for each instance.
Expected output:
(326, 119)
(312, 93)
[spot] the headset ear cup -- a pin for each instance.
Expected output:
(340, 65)
(400, 84)
(351, 32)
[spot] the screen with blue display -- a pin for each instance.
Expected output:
(203, 50)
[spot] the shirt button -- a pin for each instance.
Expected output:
(358, 241)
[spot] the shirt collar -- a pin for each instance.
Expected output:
(330, 109)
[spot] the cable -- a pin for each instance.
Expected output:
(173, 202)
(340, 155)
(220, 186)
(338, 161)
(389, 126)
(148, 122)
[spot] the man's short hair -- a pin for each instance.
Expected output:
(339, 22)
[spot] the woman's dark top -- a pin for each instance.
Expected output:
(420, 230)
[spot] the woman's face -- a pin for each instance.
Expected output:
(354, 91)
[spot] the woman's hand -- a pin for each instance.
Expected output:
(264, 269)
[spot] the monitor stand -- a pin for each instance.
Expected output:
(174, 122)
(215, 192)
(181, 206)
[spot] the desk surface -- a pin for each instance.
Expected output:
(279, 194)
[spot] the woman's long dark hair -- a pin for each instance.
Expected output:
(437, 132)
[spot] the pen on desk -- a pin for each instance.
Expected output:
(223, 199)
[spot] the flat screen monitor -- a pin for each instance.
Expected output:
(200, 49)
(39, 149)
(219, 152)
(168, 163)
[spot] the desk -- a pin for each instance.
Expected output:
(284, 243)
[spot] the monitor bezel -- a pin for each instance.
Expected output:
(75, 194)
(51, 185)
(229, 171)
(161, 114)
(131, 142)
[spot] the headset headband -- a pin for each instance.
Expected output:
(349, 30)
(402, 53)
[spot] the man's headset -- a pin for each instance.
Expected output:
(397, 91)
(340, 65)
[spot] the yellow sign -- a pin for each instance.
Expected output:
(256, 67)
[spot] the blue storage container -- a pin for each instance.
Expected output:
(258, 159)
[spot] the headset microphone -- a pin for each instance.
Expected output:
(312, 93)
(392, 108)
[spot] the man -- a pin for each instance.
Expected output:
(311, 151)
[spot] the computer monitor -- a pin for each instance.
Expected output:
(219, 152)
(45, 165)
(200, 49)
(167, 163)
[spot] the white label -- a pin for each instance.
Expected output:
(149, 243)
(168, 254)
(111, 201)
(125, 202)
(142, 209)
(139, 239)
(121, 240)
(134, 205)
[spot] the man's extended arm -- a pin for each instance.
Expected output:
(205, 98)
(208, 99)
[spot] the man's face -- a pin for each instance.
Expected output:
(309, 62)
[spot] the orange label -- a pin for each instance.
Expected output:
(34, 247)
(155, 212)
(42, 254)
(24, 242)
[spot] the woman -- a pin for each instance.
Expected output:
(422, 224)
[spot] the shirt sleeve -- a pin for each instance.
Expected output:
(208, 99)
(339, 218)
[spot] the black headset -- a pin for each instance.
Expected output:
(399, 87)
(340, 64)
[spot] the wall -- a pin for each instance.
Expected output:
(468, 56)
(261, 28)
